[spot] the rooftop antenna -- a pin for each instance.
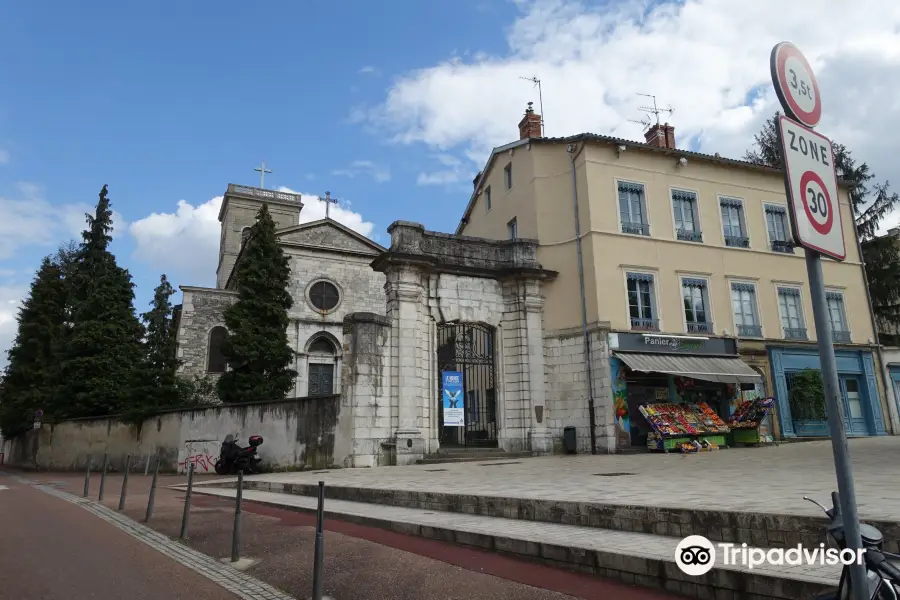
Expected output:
(536, 81)
(651, 112)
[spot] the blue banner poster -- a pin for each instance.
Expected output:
(454, 409)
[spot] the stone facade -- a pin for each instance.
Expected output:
(567, 389)
(435, 278)
(201, 310)
(322, 250)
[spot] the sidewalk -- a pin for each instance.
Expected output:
(360, 562)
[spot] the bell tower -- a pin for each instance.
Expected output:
(240, 206)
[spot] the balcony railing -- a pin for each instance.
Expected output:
(782, 246)
(644, 324)
(635, 228)
(690, 236)
(262, 193)
(840, 337)
(736, 241)
(699, 327)
(749, 331)
(795, 333)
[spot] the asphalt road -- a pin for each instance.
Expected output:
(51, 549)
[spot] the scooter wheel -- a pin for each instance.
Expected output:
(220, 468)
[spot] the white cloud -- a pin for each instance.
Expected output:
(709, 59)
(4, 157)
(377, 172)
(368, 70)
(28, 219)
(185, 243)
(11, 297)
(452, 172)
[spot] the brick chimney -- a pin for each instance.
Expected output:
(661, 135)
(530, 125)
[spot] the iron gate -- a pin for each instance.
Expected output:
(469, 349)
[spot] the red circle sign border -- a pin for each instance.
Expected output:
(825, 228)
(780, 53)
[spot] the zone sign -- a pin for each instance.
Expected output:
(811, 183)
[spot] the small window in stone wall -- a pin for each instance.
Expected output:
(216, 361)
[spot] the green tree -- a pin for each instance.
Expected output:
(32, 377)
(160, 363)
(259, 357)
(103, 350)
(870, 201)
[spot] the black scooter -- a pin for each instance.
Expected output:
(883, 575)
(234, 458)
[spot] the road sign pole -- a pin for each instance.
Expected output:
(835, 416)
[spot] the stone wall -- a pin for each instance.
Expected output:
(201, 310)
(567, 390)
(297, 433)
(366, 381)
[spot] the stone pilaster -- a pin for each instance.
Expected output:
(533, 303)
(405, 312)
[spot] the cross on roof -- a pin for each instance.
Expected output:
(262, 170)
(328, 200)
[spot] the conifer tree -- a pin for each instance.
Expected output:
(32, 377)
(257, 350)
(159, 377)
(103, 350)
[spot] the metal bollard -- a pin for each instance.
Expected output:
(147, 465)
(187, 503)
(236, 534)
(125, 483)
(103, 477)
(320, 541)
(87, 477)
(152, 498)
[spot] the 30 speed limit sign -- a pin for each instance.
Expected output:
(812, 189)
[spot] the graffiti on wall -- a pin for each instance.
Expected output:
(201, 453)
(620, 402)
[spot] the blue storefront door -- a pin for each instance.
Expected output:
(854, 417)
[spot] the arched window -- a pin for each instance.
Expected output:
(321, 367)
(216, 361)
(321, 346)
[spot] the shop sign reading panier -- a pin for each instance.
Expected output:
(810, 178)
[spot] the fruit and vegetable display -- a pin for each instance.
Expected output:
(681, 420)
(750, 413)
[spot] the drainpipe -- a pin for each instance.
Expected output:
(587, 343)
(888, 389)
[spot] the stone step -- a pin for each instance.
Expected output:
(753, 528)
(471, 456)
(636, 558)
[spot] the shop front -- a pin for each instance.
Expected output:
(682, 392)
(796, 373)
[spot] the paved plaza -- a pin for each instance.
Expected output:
(770, 479)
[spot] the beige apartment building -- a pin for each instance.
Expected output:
(687, 262)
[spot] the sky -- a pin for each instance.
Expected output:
(393, 106)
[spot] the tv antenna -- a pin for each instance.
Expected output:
(537, 82)
(651, 112)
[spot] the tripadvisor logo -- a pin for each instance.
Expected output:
(695, 555)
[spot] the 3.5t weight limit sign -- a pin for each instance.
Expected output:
(795, 84)
(812, 189)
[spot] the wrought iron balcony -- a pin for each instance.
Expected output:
(840, 337)
(782, 246)
(795, 333)
(690, 236)
(736, 241)
(749, 331)
(699, 327)
(644, 324)
(635, 228)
